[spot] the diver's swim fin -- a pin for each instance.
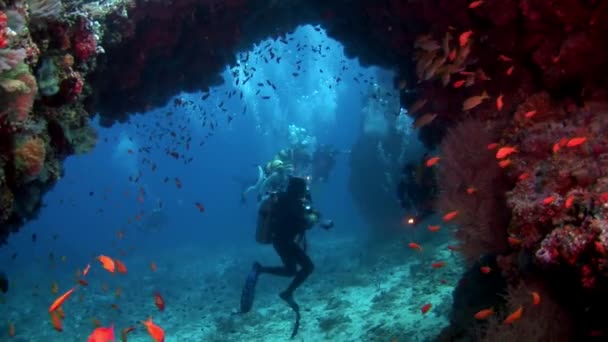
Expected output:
(248, 294)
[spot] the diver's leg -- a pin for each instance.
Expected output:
(289, 268)
(306, 268)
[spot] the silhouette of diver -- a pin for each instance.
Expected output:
(291, 216)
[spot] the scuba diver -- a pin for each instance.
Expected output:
(323, 161)
(417, 190)
(283, 220)
(3, 282)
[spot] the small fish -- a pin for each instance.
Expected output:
(504, 163)
(549, 200)
(576, 141)
(474, 101)
(450, 216)
(415, 246)
(82, 282)
(523, 176)
(107, 263)
(438, 264)
(510, 70)
(504, 58)
(120, 266)
(153, 266)
(125, 332)
(200, 207)
(118, 292)
(535, 298)
(458, 84)
(464, 37)
(425, 308)
(569, 202)
(159, 301)
(434, 228)
(492, 146)
(484, 314)
(452, 55)
(471, 190)
(485, 269)
(56, 321)
(432, 161)
(514, 316)
(154, 330)
(54, 287)
(513, 241)
(499, 102)
(475, 4)
(417, 106)
(504, 152)
(424, 120)
(11, 329)
(102, 334)
(59, 301)
(529, 114)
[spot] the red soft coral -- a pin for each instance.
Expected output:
(467, 163)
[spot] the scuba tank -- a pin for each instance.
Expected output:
(263, 232)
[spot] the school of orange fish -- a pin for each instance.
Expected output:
(102, 334)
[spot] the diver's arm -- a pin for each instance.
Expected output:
(314, 218)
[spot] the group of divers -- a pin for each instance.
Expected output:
(286, 212)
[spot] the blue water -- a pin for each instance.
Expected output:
(95, 199)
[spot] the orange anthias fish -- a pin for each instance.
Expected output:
(432, 161)
(549, 200)
(125, 332)
(576, 141)
(425, 308)
(504, 58)
(485, 269)
(504, 152)
(86, 270)
(59, 301)
(474, 101)
(504, 163)
(450, 216)
(499, 102)
(102, 334)
(471, 190)
(438, 264)
(492, 146)
(535, 298)
(154, 330)
(56, 321)
(159, 301)
(434, 228)
(120, 266)
(475, 4)
(529, 114)
(153, 266)
(510, 70)
(107, 263)
(463, 39)
(424, 120)
(569, 202)
(458, 84)
(415, 246)
(484, 314)
(514, 316)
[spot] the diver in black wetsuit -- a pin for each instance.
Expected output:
(3, 282)
(292, 216)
